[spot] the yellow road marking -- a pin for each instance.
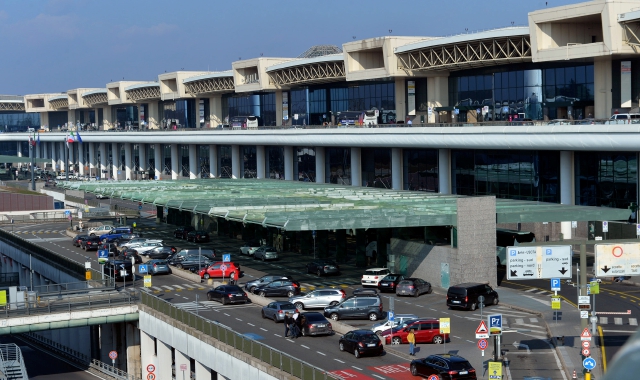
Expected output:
(604, 356)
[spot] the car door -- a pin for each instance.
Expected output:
(312, 299)
(419, 284)
(347, 309)
(490, 295)
(270, 309)
(349, 341)
(324, 297)
(273, 288)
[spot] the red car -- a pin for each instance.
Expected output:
(214, 270)
(425, 330)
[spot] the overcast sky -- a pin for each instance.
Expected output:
(58, 45)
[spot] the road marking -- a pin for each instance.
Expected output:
(321, 353)
(470, 341)
(304, 346)
(379, 377)
(290, 340)
(263, 329)
(279, 336)
(239, 319)
(339, 361)
(251, 324)
(227, 314)
(621, 331)
(359, 369)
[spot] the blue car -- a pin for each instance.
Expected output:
(115, 234)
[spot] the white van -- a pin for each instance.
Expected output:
(624, 118)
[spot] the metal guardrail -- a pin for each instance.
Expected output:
(260, 351)
(12, 363)
(74, 287)
(68, 304)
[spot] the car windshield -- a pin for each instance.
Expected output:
(160, 263)
(287, 306)
(389, 278)
(367, 336)
(373, 272)
(457, 291)
(406, 282)
(460, 365)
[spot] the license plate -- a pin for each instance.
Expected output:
(404, 291)
(321, 326)
(385, 284)
(371, 345)
(239, 295)
(455, 301)
(463, 372)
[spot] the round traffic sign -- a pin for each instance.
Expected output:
(151, 368)
(433, 377)
(151, 376)
(586, 352)
(586, 344)
(113, 355)
(223, 267)
(482, 344)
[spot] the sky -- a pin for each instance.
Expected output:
(58, 45)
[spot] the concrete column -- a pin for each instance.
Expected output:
(147, 354)
(54, 158)
(288, 163)
(142, 159)
(202, 371)
(153, 118)
(261, 161)
(61, 147)
(103, 160)
(175, 164)
(45, 151)
(235, 161)
(567, 193)
(320, 164)
(181, 358)
(163, 369)
(133, 348)
(71, 119)
(115, 157)
(213, 160)
(215, 110)
(444, 171)
(81, 159)
(356, 167)
(437, 94)
(128, 165)
(396, 168)
(107, 119)
(278, 107)
(107, 342)
(44, 120)
(194, 167)
(401, 100)
(603, 84)
(157, 157)
(92, 158)
(19, 151)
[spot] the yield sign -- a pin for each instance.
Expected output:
(482, 332)
(585, 335)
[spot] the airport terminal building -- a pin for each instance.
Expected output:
(516, 112)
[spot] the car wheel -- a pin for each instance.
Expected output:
(206, 276)
(333, 303)
(437, 339)
(379, 333)
(496, 301)
(179, 266)
(356, 353)
(341, 346)
(290, 293)
(304, 332)
(396, 340)
(262, 294)
(224, 301)
(473, 307)
(414, 370)
(299, 306)
(263, 259)
(232, 275)
(335, 316)
(416, 294)
(373, 317)
(92, 234)
(263, 316)
(252, 290)
(430, 290)
(319, 273)
(209, 297)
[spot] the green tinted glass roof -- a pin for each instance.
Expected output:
(301, 206)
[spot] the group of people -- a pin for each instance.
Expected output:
(293, 323)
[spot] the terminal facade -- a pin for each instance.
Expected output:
(577, 63)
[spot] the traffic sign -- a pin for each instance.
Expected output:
(529, 263)
(433, 377)
(589, 363)
(615, 260)
(555, 284)
(595, 287)
(586, 352)
(139, 208)
(113, 355)
(143, 268)
(495, 324)
(147, 281)
(584, 314)
(226, 258)
(586, 344)
(584, 303)
(482, 344)
(495, 370)
(605, 226)
(183, 367)
(151, 368)
(391, 316)
(585, 335)
(223, 267)
(445, 325)
(482, 331)
(556, 303)
(103, 256)
(151, 376)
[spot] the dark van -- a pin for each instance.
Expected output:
(465, 296)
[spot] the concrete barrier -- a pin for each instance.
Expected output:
(187, 275)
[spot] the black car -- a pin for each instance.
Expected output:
(111, 247)
(112, 268)
(190, 262)
(314, 323)
(128, 254)
(93, 242)
(125, 239)
(446, 366)
(161, 252)
(278, 288)
(253, 285)
(77, 241)
(181, 232)
(361, 342)
(357, 307)
(466, 295)
(227, 294)
(198, 236)
(389, 282)
(323, 267)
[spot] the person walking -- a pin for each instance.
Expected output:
(295, 331)
(287, 324)
(411, 338)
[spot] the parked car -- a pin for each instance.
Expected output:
(276, 310)
(76, 241)
(125, 238)
(198, 236)
(208, 253)
(92, 243)
(361, 342)
(355, 307)
(112, 268)
(389, 282)
(265, 253)
(413, 287)
(364, 292)
(190, 262)
(314, 323)
(252, 285)
(322, 267)
(399, 320)
(444, 366)
(250, 247)
(116, 233)
(101, 196)
(278, 288)
(466, 295)
(215, 270)
(227, 294)
(136, 242)
(128, 254)
(160, 252)
(181, 232)
(147, 246)
(319, 298)
(99, 231)
(427, 330)
(373, 276)
(158, 267)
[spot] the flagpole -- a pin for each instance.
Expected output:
(66, 160)
(32, 153)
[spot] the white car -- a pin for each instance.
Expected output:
(136, 242)
(399, 319)
(101, 196)
(147, 246)
(250, 248)
(373, 276)
(99, 231)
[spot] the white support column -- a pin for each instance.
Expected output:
(82, 157)
(444, 171)
(213, 160)
(215, 110)
(320, 164)
(175, 164)
(396, 168)
(143, 162)
(603, 85)
(147, 353)
(54, 156)
(567, 194)
(103, 160)
(157, 159)
(45, 152)
(61, 148)
(235, 161)
(115, 157)
(288, 163)
(356, 167)
(401, 99)
(261, 161)
(133, 348)
(92, 158)
(279, 114)
(19, 151)
(194, 168)
(128, 165)
(153, 117)
(163, 369)
(181, 358)
(202, 371)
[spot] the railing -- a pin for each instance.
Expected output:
(80, 287)
(12, 362)
(34, 217)
(260, 351)
(68, 304)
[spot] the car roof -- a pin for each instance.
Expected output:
(377, 269)
(362, 331)
(449, 357)
(467, 285)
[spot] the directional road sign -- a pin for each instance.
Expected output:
(143, 268)
(529, 263)
(482, 332)
(614, 260)
(482, 344)
(589, 363)
(495, 324)
(555, 284)
(226, 258)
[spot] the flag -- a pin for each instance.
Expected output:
(78, 138)
(71, 137)
(31, 141)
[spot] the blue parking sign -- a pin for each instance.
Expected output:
(142, 268)
(392, 316)
(226, 258)
(495, 324)
(555, 284)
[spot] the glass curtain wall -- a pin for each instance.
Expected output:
(275, 162)
(608, 179)
(203, 161)
(151, 156)
(376, 167)
(183, 152)
(305, 164)
(224, 161)
(338, 165)
(262, 105)
(249, 162)
(567, 90)
(527, 175)
(19, 121)
(125, 117)
(420, 170)
(180, 113)
(364, 97)
(166, 148)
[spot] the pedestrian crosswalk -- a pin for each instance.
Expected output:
(207, 305)
(173, 288)
(40, 232)
(537, 291)
(618, 321)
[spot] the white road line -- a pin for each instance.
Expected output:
(167, 287)
(279, 336)
(621, 331)
(239, 319)
(379, 377)
(290, 340)
(179, 287)
(359, 369)
(457, 337)
(321, 353)
(227, 314)
(217, 311)
(263, 329)
(339, 361)
(304, 346)
(251, 324)
(533, 320)
(470, 341)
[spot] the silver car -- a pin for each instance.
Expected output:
(158, 267)
(265, 253)
(276, 310)
(413, 287)
(319, 298)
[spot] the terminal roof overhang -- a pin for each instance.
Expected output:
(304, 206)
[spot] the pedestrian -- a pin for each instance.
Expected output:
(287, 323)
(300, 322)
(411, 338)
(295, 331)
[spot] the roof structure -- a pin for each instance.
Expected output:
(319, 50)
(304, 206)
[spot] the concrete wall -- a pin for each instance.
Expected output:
(24, 202)
(423, 260)
(45, 270)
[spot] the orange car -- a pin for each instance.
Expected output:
(215, 270)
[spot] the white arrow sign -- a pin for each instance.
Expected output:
(614, 260)
(528, 263)
(519, 345)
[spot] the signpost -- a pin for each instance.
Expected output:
(113, 356)
(529, 263)
(495, 370)
(226, 258)
(147, 281)
(223, 268)
(143, 268)
(495, 330)
(445, 328)
(589, 364)
(482, 345)
(482, 332)
(555, 284)
(615, 260)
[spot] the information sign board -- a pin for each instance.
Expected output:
(147, 281)
(495, 324)
(555, 303)
(445, 325)
(529, 263)
(614, 260)
(495, 370)
(103, 256)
